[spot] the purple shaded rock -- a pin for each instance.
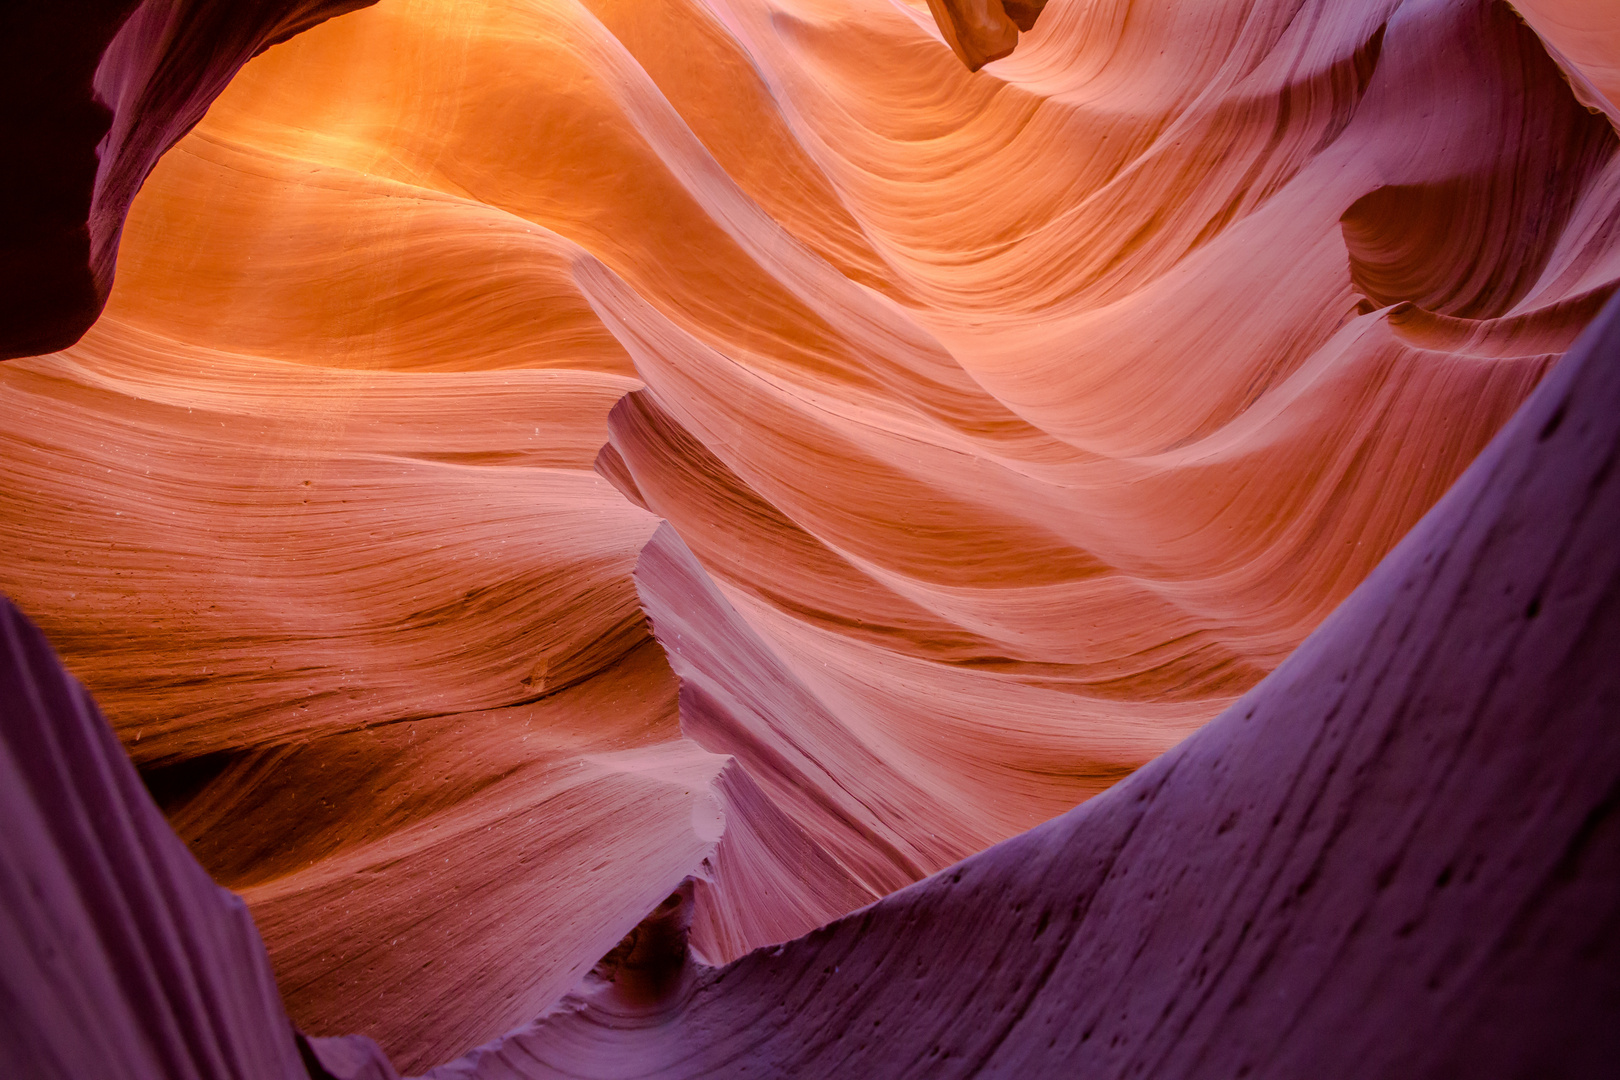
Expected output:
(1398, 856)
(119, 957)
(347, 1057)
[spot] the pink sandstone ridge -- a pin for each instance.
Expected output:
(653, 538)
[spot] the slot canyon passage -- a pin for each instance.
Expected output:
(583, 514)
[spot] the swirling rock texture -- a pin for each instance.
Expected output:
(1005, 428)
(1218, 914)
(1399, 855)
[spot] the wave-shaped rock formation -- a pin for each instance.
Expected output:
(544, 462)
(1399, 855)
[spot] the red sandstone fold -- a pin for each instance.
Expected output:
(1006, 428)
(978, 31)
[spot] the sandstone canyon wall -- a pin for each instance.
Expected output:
(121, 958)
(1584, 36)
(94, 91)
(1399, 855)
(1005, 427)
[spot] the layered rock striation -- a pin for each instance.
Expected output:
(1399, 855)
(1004, 427)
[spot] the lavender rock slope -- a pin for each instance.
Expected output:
(1399, 856)
(119, 957)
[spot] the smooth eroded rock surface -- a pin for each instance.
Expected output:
(1399, 855)
(119, 958)
(539, 453)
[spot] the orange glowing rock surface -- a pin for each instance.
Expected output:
(1584, 36)
(1007, 426)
